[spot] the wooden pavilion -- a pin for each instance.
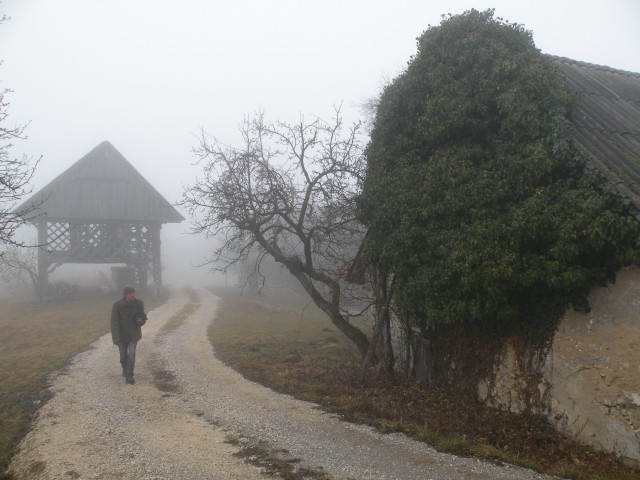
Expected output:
(100, 210)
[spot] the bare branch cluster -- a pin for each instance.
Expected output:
(288, 192)
(15, 176)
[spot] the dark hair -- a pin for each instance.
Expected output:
(129, 289)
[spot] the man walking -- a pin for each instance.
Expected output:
(127, 318)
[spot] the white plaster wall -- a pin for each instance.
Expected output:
(590, 383)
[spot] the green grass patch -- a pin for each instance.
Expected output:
(281, 340)
(36, 340)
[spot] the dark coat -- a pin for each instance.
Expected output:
(124, 328)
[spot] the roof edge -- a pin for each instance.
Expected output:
(593, 66)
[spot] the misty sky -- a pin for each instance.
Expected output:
(148, 75)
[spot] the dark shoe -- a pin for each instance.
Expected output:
(130, 381)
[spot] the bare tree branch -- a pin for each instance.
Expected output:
(15, 177)
(288, 192)
(18, 264)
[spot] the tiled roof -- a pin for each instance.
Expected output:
(607, 121)
(102, 186)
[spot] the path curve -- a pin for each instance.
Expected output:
(188, 417)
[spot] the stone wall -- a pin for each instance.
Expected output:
(589, 383)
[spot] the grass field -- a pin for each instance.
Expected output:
(265, 335)
(36, 340)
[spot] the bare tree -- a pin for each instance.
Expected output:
(288, 192)
(15, 176)
(19, 265)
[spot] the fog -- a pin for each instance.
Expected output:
(149, 75)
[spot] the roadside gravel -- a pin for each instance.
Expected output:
(191, 417)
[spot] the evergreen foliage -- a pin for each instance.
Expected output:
(474, 196)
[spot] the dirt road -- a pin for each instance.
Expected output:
(190, 417)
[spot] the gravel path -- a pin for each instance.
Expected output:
(190, 417)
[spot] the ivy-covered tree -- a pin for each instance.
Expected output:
(475, 198)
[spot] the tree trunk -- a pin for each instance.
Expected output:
(373, 346)
(388, 356)
(352, 333)
(381, 285)
(330, 307)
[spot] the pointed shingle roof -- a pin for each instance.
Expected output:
(102, 186)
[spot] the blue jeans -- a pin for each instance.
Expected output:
(128, 357)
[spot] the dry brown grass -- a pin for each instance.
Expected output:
(36, 340)
(279, 340)
(282, 341)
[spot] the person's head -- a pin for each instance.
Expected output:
(129, 293)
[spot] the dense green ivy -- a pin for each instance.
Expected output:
(474, 196)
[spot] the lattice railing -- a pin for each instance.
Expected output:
(58, 237)
(101, 242)
(140, 241)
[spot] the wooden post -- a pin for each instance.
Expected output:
(156, 259)
(43, 262)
